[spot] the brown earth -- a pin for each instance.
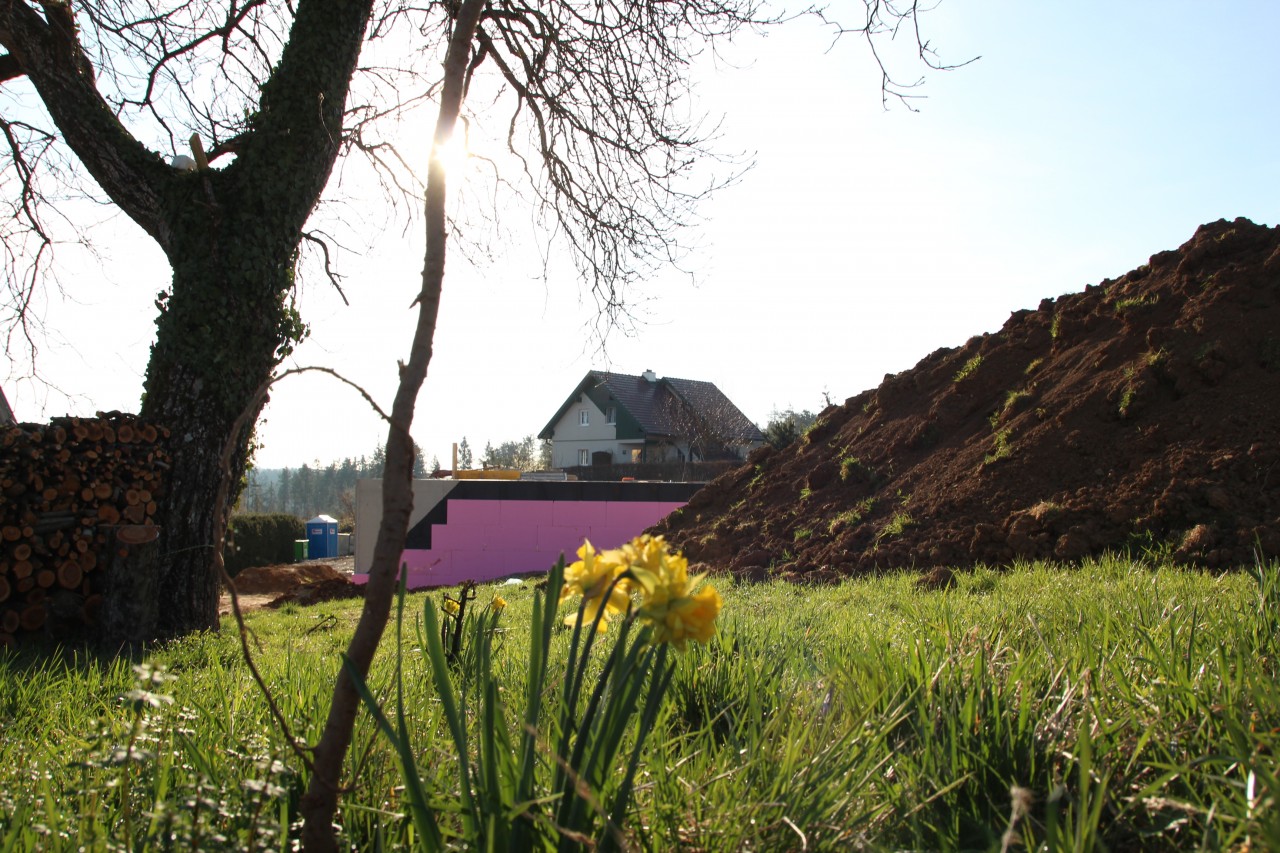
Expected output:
(1141, 413)
(298, 583)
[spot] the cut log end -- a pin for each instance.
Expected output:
(137, 534)
(70, 575)
(33, 617)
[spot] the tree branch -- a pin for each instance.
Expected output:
(334, 278)
(228, 451)
(50, 54)
(302, 106)
(320, 801)
(9, 68)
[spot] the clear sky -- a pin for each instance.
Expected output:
(1089, 136)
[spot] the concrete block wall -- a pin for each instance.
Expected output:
(487, 529)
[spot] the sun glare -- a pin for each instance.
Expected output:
(453, 154)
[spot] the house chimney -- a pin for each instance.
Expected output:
(649, 375)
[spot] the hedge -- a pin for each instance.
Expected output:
(261, 539)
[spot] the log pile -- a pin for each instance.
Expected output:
(73, 493)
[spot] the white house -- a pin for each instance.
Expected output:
(616, 418)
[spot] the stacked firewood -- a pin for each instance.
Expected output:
(72, 493)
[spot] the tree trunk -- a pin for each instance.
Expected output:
(226, 289)
(230, 235)
(229, 317)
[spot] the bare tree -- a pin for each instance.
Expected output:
(596, 96)
(593, 100)
(85, 96)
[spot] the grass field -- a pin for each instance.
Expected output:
(1110, 706)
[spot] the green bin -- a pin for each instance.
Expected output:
(299, 550)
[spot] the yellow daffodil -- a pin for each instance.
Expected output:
(498, 604)
(667, 600)
(648, 553)
(647, 566)
(688, 617)
(661, 575)
(450, 606)
(592, 577)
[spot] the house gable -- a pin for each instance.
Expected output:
(598, 388)
(549, 431)
(575, 442)
(626, 426)
(683, 415)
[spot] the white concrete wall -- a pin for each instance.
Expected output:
(426, 494)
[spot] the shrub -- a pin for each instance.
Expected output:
(786, 427)
(261, 539)
(1000, 447)
(852, 516)
(853, 469)
(895, 527)
(1134, 303)
(970, 367)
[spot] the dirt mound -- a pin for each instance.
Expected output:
(331, 589)
(301, 583)
(267, 579)
(1143, 412)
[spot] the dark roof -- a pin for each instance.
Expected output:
(6, 413)
(709, 402)
(664, 406)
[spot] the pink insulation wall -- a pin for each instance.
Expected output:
(483, 530)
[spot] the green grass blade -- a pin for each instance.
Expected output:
(422, 814)
(453, 716)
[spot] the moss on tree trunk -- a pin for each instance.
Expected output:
(222, 329)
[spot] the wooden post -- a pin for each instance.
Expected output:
(454, 470)
(197, 148)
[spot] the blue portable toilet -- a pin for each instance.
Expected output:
(322, 538)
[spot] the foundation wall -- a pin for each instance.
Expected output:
(481, 530)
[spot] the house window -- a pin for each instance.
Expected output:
(611, 416)
(584, 456)
(584, 417)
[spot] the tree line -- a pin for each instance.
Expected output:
(315, 489)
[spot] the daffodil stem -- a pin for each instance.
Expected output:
(575, 672)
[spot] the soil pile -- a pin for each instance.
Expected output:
(1141, 413)
(333, 589)
(265, 579)
(300, 583)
